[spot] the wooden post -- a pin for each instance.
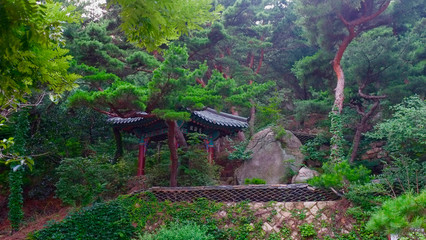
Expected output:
(210, 149)
(141, 157)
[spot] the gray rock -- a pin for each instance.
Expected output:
(304, 175)
(272, 160)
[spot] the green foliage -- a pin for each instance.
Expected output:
(239, 152)
(31, 57)
(256, 181)
(368, 196)
(179, 231)
(336, 142)
(269, 111)
(84, 180)
(314, 75)
(312, 149)
(108, 220)
(404, 174)
(341, 175)
(170, 92)
(201, 212)
(151, 24)
(298, 213)
(376, 57)
(359, 230)
(400, 215)
(194, 169)
(16, 199)
(279, 132)
(405, 132)
(307, 230)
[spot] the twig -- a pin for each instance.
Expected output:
(336, 192)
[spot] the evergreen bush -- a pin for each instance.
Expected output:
(254, 181)
(194, 169)
(400, 215)
(340, 175)
(85, 180)
(179, 231)
(108, 220)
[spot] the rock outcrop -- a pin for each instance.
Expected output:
(273, 160)
(304, 175)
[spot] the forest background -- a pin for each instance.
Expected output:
(269, 60)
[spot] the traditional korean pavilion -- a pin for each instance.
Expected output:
(208, 121)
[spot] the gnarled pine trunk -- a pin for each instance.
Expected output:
(353, 27)
(171, 140)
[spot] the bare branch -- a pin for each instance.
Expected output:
(362, 20)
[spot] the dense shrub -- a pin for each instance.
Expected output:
(320, 103)
(400, 215)
(307, 230)
(367, 196)
(405, 132)
(194, 169)
(84, 180)
(312, 149)
(108, 220)
(179, 231)
(254, 181)
(239, 152)
(404, 174)
(340, 175)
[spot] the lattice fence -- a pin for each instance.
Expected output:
(304, 137)
(253, 193)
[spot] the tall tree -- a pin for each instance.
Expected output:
(382, 64)
(171, 90)
(334, 22)
(32, 57)
(151, 24)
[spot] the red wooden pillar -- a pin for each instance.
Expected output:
(141, 157)
(210, 149)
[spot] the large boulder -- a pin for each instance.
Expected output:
(273, 160)
(304, 175)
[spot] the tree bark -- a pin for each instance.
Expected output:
(340, 86)
(171, 140)
(118, 144)
(353, 28)
(252, 117)
(365, 118)
(180, 137)
(350, 26)
(240, 134)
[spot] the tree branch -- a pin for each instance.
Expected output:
(363, 19)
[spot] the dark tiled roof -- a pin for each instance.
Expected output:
(208, 115)
(222, 119)
(129, 121)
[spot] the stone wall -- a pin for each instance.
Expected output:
(375, 151)
(284, 219)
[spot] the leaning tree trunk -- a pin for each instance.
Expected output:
(336, 150)
(180, 137)
(353, 27)
(118, 144)
(365, 118)
(171, 140)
